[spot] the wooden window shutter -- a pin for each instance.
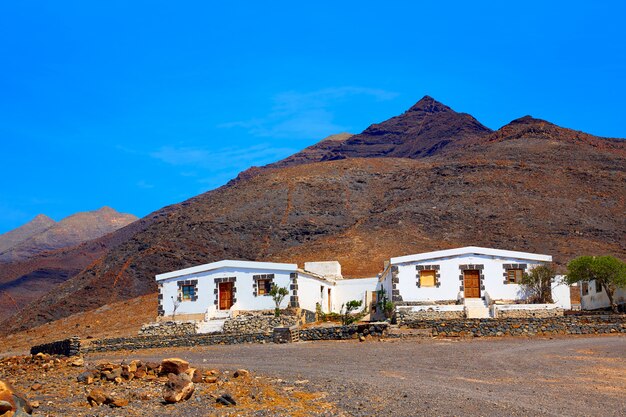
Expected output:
(427, 278)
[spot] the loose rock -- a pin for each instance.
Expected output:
(178, 388)
(174, 366)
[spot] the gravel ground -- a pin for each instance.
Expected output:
(488, 377)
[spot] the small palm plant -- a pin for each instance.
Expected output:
(278, 294)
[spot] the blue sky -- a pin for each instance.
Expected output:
(138, 105)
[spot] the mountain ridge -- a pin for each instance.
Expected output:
(38, 224)
(514, 188)
(70, 231)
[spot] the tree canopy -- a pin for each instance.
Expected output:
(607, 271)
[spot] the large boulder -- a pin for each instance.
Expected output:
(12, 404)
(174, 366)
(178, 388)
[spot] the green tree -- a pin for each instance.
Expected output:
(278, 294)
(608, 272)
(539, 283)
(348, 308)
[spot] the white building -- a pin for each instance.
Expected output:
(593, 297)
(221, 288)
(467, 279)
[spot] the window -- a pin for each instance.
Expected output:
(585, 288)
(598, 287)
(427, 278)
(514, 276)
(265, 286)
(264, 283)
(188, 292)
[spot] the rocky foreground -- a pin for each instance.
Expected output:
(44, 385)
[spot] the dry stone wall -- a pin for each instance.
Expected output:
(65, 347)
(407, 318)
(258, 323)
(523, 313)
(149, 342)
(169, 328)
(344, 332)
(525, 326)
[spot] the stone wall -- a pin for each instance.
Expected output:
(149, 342)
(169, 328)
(426, 303)
(258, 322)
(352, 331)
(408, 318)
(524, 313)
(65, 347)
(525, 326)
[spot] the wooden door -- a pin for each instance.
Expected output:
(472, 284)
(330, 310)
(226, 295)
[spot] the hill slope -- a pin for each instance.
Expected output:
(36, 270)
(529, 186)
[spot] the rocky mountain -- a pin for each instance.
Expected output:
(529, 186)
(428, 128)
(37, 225)
(70, 231)
(35, 265)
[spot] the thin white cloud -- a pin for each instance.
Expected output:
(220, 159)
(307, 115)
(145, 185)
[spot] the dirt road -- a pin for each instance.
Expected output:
(489, 377)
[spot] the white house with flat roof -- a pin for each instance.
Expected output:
(219, 289)
(466, 279)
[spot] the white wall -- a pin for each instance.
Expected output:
(595, 300)
(449, 278)
(561, 293)
(312, 290)
(353, 289)
(327, 269)
(206, 286)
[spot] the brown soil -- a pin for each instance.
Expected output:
(51, 384)
(119, 319)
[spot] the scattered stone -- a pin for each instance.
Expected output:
(116, 402)
(241, 373)
(12, 403)
(96, 397)
(174, 366)
(226, 399)
(361, 338)
(36, 386)
(178, 388)
(210, 379)
(194, 374)
(85, 377)
(78, 362)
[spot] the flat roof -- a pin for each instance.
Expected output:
(476, 250)
(228, 264)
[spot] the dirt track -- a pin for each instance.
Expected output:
(490, 377)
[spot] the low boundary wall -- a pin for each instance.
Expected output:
(65, 347)
(525, 326)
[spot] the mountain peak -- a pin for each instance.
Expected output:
(528, 120)
(42, 218)
(427, 104)
(106, 210)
